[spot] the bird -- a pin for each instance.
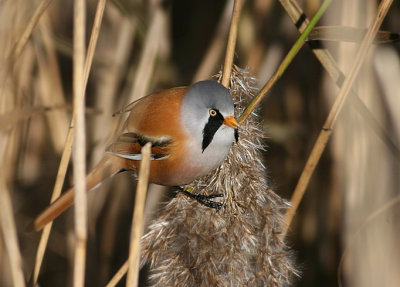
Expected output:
(191, 130)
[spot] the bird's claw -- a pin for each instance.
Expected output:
(204, 199)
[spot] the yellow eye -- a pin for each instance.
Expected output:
(212, 112)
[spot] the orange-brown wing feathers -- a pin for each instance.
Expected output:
(158, 115)
(129, 146)
(154, 118)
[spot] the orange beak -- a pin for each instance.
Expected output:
(231, 122)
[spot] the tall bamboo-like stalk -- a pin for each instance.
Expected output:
(79, 148)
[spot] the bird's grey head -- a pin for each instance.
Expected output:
(207, 114)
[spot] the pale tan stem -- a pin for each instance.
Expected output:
(137, 219)
(118, 276)
(98, 19)
(79, 150)
(230, 48)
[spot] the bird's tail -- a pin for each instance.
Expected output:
(107, 167)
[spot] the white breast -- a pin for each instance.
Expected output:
(202, 162)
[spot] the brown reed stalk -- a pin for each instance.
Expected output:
(10, 237)
(326, 131)
(79, 151)
(137, 219)
(230, 48)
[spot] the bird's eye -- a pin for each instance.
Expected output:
(212, 112)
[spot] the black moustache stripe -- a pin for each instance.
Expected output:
(211, 128)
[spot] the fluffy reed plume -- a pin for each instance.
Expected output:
(192, 245)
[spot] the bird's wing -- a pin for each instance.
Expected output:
(129, 146)
(130, 106)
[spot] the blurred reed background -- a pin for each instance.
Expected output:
(351, 208)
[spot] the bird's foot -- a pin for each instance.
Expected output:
(203, 199)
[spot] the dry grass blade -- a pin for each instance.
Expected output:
(137, 220)
(79, 151)
(230, 48)
(326, 131)
(9, 230)
(118, 276)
